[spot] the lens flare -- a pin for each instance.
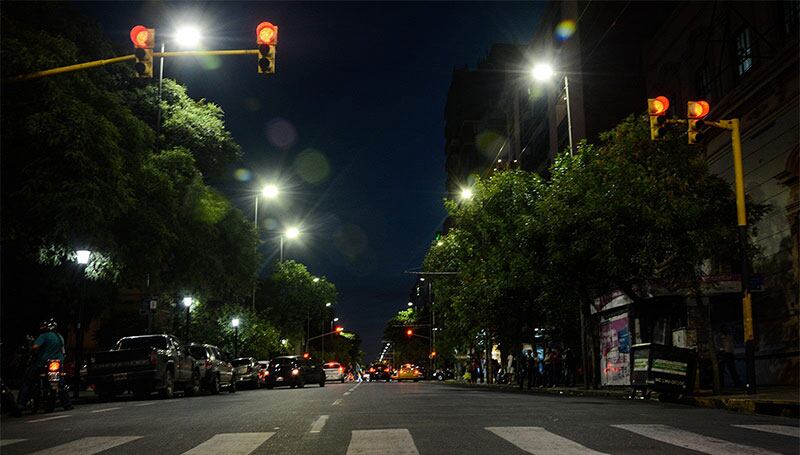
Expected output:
(242, 174)
(312, 166)
(281, 133)
(565, 29)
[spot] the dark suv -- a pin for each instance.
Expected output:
(294, 371)
(215, 369)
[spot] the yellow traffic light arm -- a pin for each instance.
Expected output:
(124, 58)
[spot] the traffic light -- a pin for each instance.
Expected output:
(410, 332)
(339, 329)
(433, 355)
(657, 109)
(696, 111)
(266, 39)
(143, 39)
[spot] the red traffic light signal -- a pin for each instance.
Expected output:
(409, 332)
(657, 110)
(339, 329)
(697, 109)
(658, 105)
(267, 33)
(306, 355)
(142, 37)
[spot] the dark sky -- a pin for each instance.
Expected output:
(351, 125)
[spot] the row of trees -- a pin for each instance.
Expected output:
(623, 214)
(98, 160)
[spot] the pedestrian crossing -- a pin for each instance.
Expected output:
(400, 441)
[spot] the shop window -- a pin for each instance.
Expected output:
(744, 51)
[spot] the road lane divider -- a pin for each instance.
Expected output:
(540, 441)
(8, 442)
(397, 441)
(692, 441)
(318, 424)
(103, 410)
(337, 402)
(145, 404)
(231, 444)
(347, 393)
(784, 430)
(62, 416)
(88, 446)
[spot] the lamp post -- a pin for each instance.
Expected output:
(82, 258)
(186, 37)
(543, 72)
(187, 302)
(235, 325)
(268, 192)
(327, 305)
(291, 234)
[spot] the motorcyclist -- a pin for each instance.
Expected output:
(48, 346)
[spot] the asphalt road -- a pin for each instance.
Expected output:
(392, 418)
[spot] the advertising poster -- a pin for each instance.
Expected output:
(615, 344)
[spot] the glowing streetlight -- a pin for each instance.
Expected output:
(235, 322)
(188, 37)
(316, 279)
(410, 304)
(542, 71)
(284, 341)
(292, 233)
(82, 256)
(187, 301)
(270, 191)
(439, 243)
(328, 304)
(335, 319)
(235, 325)
(466, 194)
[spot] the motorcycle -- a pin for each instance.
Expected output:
(48, 387)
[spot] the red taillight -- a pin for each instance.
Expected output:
(153, 357)
(372, 370)
(341, 369)
(54, 365)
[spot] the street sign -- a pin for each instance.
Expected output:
(148, 306)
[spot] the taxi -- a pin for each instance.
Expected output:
(407, 372)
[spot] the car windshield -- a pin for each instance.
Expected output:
(142, 342)
(241, 362)
(198, 352)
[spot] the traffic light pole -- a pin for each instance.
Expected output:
(124, 58)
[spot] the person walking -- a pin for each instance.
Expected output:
(531, 369)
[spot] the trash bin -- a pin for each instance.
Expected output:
(662, 369)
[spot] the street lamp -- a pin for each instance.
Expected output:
(235, 325)
(291, 233)
(544, 72)
(188, 37)
(328, 305)
(466, 194)
(410, 303)
(269, 191)
(187, 302)
(82, 257)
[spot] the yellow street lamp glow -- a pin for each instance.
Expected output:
(188, 37)
(270, 191)
(542, 71)
(466, 193)
(292, 233)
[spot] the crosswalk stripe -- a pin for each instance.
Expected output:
(231, 444)
(376, 442)
(693, 441)
(316, 427)
(539, 441)
(784, 430)
(8, 442)
(88, 446)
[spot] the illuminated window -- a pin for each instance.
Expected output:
(744, 51)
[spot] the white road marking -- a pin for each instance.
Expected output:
(88, 446)
(337, 402)
(103, 410)
(8, 442)
(145, 404)
(62, 416)
(377, 442)
(347, 393)
(539, 441)
(784, 430)
(693, 441)
(231, 444)
(316, 427)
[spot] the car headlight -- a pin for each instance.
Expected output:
(295, 372)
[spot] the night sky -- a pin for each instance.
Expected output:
(351, 125)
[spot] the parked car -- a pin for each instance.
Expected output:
(334, 371)
(143, 364)
(442, 374)
(379, 372)
(247, 372)
(407, 372)
(216, 372)
(294, 371)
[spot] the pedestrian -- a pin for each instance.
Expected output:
(726, 356)
(555, 367)
(531, 369)
(548, 367)
(523, 370)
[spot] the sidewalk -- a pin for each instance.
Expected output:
(775, 400)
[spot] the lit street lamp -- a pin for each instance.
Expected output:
(187, 302)
(544, 72)
(466, 194)
(235, 325)
(82, 257)
(410, 304)
(291, 234)
(186, 37)
(267, 192)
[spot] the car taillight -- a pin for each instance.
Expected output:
(153, 357)
(54, 365)
(266, 373)
(341, 370)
